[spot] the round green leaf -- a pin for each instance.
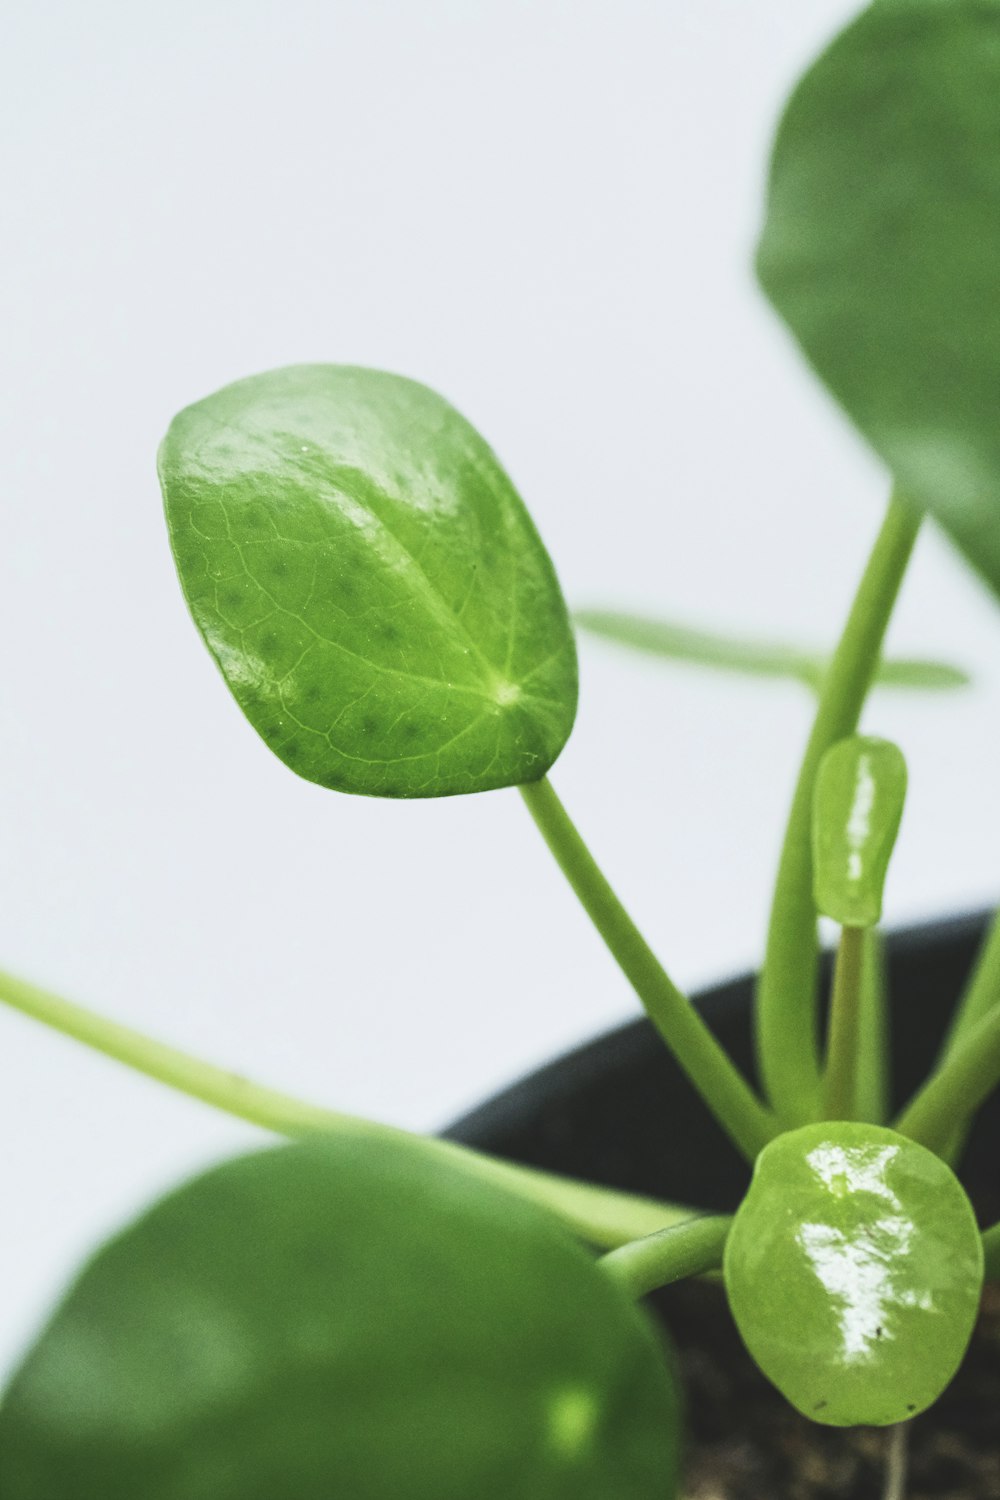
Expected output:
(857, 808)
(342, 1319)
(881, 248)
(370, 584)
(854, 1268)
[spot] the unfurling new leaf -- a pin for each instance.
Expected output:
(857, 808)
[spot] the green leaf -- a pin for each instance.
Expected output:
(341, 1319)
(753, 657)
(854, 1268)
(857, 809)
(370, 584)
(881, 248)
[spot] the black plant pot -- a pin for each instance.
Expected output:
(618, 1111)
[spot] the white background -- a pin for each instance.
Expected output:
(547, 211)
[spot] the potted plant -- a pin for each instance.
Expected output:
(369, 1313)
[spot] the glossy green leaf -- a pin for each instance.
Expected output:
(881, 248)
(341, 1319)
(854, 1268)
(857, 808)
(370, 584)
(753, 657)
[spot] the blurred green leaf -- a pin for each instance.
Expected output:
(731, 653)
(881, 248)
(854, 1268)
(341, 1319)
(370, 584)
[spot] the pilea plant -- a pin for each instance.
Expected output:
(372, 1314)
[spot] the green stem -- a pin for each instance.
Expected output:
(786, 995)
(871, 1100)
(969, 1073)
(714, 1075)
(601, 1215)
(896, 1461)
(982, 992)
(840, 1080)
(669, 1255)
(991, 1253)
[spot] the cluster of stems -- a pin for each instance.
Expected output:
(652, 1243)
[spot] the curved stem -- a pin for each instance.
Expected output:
(991, 1253)
(670, 1255)
(603, 1216)
(840, 1079)
(969, 1073)
(786, 994)
(711, 1070)
(982, 992)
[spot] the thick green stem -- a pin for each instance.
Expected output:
(969, 1073)
(714, 1075)
(896, 1461)
(840, 1080)
(871, 1099)
(669, 1255)
(786, 996)
(991, 1253)
(982, 992)
(601, 1215)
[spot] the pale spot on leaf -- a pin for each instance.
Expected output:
(572, 1419)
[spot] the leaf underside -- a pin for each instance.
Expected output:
(341, 1319)
(881, 249)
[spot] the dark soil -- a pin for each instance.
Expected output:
(746, 1443)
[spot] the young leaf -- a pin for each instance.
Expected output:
(857, 808)
(881, 248)
(370, 584)
(853, 1269)
(341, 1319)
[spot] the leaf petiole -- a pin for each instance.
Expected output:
(786, 994)
(672, 1254)
(982, 992)
(603, 1216)
(981, 995)
(840, 1078)
(969, 1073)
(991, 1252)
(872, 1082)
(746, 1120)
